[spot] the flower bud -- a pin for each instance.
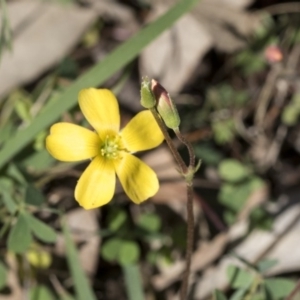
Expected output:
(147, 97)
(165, 106)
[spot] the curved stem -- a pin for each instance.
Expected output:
(188, 145)
(179, 160)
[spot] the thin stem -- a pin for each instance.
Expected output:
(188, 145)
(190, 242)
(173, 149)
(189, 186)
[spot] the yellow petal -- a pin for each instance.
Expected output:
(96, 185)
(70, 142)
(142, 133)
(138, 180)
(100, 107)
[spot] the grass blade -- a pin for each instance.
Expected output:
(133, 283)
(81, 284)
(94, 77)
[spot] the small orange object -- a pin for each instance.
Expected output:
(273, 54)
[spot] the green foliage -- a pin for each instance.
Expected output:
(110, 249)
(133, 282)
(234, 196)
(239, 184)
(68, 68)
(278, 288)
(116, 219)
(266, 264)
(6, 192)
(129, 253)
(291, 112)
(260, 219)
(40, 292)
(120, 251)
(251, 284)
(218, 295)
(225, 96)
(33, 196)
(224, 131)
(208, 154)
(149, 222)
(239, 294)
(41, 230)
(250, 63)
(3, 275)
(239, 278)
(233, 171)
(82, 287)
(19, 238)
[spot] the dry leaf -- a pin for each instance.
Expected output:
(44, 33)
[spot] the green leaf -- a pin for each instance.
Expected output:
(6, 190)
(260, 219)
(149, 222)
(33, 196)
(279, 288)
(41, 230)
(14, 172)
(290, 115)
(233, 171)
(3, 275)
(133, 283)
(208, 154)
(239, 278)
(19, 237)
(234, 196)
(22, 108)
(6, 132)
(119, 58)
(111, 248)
(82, 287)
(218, 295)
(38, 161)
(266, 264)
(129, 253)
(40, 292)
(224, 131)
(239, 294)
(116, 218)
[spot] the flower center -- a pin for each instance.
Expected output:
(111, 147)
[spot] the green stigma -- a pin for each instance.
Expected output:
(110, 148)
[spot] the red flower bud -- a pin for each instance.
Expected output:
(165, 106)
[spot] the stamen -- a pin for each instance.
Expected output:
(111, 147)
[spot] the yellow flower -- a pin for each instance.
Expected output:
(109, 148)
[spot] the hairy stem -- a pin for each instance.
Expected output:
(190, 242)
(179, 160)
